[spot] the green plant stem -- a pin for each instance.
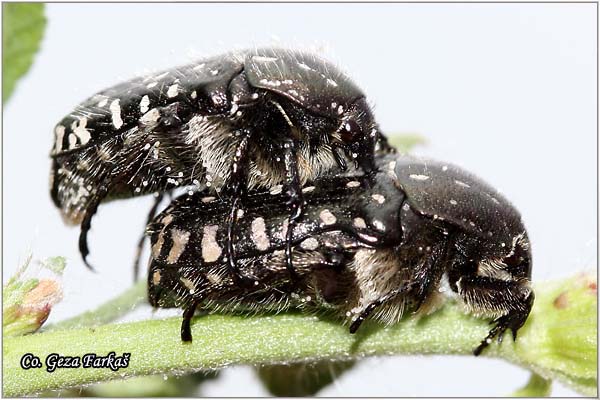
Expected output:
(155, 345)
(108, 312)
(221, 340)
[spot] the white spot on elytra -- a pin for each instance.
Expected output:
(173, 90)
(180, 239)
(310, 244)
(308, 189)
(59, 131)
(102, 102)
(461, 183)
(327, 217)
(353, 184)
(378, 225)
(276, 189)
(259, 234)
(378, 198)
(72, 141)
(150, 117)
(193, 95)
(156, 277)
(453, 202)
(208, 199)
(331, 82)
(211, 251)
(359, 223)
(144, 104)
(115, 110)
(151, 85)
(368, 238)
(156, 248)
(282, 232)
(445, 168)
(418, 177)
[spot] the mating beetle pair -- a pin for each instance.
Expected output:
(261, 139)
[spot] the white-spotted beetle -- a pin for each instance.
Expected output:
(366, 246)
(244, 119)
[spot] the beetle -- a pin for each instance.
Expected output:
(367, 246)
(243, 119)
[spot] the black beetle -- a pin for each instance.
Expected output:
(367, 245)
(244, 119)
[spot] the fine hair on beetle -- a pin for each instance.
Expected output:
(240, 120)
(368, 247)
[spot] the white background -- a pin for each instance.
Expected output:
(508, 91)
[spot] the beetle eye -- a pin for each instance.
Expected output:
(350, 131)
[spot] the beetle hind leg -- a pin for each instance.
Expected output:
(186, 330)
(140, 245)
(295, 201)
(239, 179)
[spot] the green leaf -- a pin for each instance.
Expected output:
(22, 29)
(405, 142)
(142, 386)
(535, 387)
(301, 379)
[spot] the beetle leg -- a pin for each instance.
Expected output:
(140, 245)
(513, 298)
(86, 224)
(374, 305)
(427, 275)
(239, 178)
(186, 330)
(338, 155)
(296, 202)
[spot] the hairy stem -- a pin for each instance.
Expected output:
(221, 340)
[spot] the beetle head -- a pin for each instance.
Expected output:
(514, 264)
(503, 261)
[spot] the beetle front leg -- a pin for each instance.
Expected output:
(512, 299)
(86, 224)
